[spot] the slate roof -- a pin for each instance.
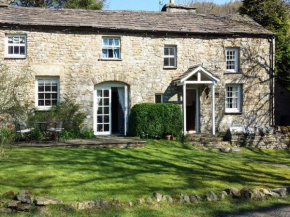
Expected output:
(164, 22)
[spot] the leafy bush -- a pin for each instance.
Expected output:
(77, 134)
(6, 138)
(36, 134)
(155, 120)
(69, 112)
(87, 134)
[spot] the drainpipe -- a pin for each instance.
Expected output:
(272, 79)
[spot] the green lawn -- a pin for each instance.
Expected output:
(166, 167)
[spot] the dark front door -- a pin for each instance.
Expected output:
(115, 105)
(117, 114)
(190, 117)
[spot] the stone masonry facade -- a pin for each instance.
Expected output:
(75, 57)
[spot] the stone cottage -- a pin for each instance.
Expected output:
(218, 69)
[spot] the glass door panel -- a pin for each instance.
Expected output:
(104, 111)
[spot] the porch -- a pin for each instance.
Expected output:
(192, 82)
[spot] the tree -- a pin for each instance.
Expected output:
(274, 15)
(75, 4)
(85, 4)
(208, 7)
(13, 87)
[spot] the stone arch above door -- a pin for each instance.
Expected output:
(106, 77)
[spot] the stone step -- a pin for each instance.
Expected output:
(203, 138)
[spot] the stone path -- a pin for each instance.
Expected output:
(101, 142)
(281, 211)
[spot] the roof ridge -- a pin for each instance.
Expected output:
(120, 11)
(126, 20)
(213, 16)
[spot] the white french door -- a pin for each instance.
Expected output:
(104, 113)
(103, 107)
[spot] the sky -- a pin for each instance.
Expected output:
(147, 5)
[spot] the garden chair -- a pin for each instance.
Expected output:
(22, 129)
(58, 127)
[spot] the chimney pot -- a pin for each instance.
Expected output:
(171, 1)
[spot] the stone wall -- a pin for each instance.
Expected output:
(262, 137)
(75, 57)
(6, 2)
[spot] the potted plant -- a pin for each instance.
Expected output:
(168, 137)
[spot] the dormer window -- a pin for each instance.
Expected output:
(15, 46)
(232, 60)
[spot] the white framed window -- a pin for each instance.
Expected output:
(15, 46)
(158, 98)
(111, 48)
(232, 60)
(233, 98)
(170, 60)
(46, 92)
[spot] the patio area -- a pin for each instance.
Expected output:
(101, 142)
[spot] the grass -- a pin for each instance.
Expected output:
(167, 167)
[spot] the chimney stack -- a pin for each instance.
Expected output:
(172, 8)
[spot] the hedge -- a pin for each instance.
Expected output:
(155, 120)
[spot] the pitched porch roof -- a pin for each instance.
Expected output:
(191, 72)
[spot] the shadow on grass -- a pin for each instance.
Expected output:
(277, 210)
(80, 174)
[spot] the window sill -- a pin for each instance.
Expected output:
(232, 73)
(110, 59)
(169, 68)
(43, 109)
(233, 113)
(14, 57)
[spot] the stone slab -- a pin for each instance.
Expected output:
(102, 142)
(42, 201)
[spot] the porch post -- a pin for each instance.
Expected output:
(184, 108)
(213, 107)
(197, 112)
(126, 109)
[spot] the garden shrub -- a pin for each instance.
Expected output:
(155, 120)
(6, 138)
(69, 112)
(78, 134)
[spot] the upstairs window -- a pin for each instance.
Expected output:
(47, 92)
(232, 60)
(158, 98)
(15, 46)
(111, 48)
(233, 98)
(170, 57)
